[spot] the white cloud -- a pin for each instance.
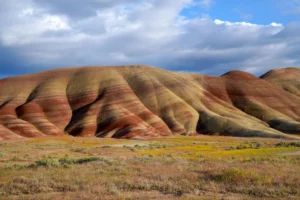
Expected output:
(149, 32)
(31, 28)
(228, 23)
(28, 11)
(53, 23)
(276, 24)
(206, 3)
(26, 22)
(218, 22)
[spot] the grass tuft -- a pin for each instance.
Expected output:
(50, 162)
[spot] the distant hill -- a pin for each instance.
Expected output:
(287, 79)
(140, 102)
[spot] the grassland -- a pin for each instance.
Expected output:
(199, 167)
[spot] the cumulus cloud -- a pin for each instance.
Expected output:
(37, 35)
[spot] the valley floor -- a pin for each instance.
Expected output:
(198, 167)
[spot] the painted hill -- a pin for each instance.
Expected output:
(140, 102)
(287, 79)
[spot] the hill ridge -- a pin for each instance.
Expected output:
(140, 101)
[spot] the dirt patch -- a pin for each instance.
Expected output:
(295, 153)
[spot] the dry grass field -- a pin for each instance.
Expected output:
(198, 167)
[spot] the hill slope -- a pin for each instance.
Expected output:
(141, 101)
(287, 79)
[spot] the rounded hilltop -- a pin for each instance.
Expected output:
(288, 79)
(239, 75)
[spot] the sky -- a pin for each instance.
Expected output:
(194, 36)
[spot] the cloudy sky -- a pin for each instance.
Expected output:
(198, 36)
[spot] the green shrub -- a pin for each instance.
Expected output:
(235, 175)
(67, 160)
(49, 162)
(86, 160)
(15, 158)
(45, 162)
(78, 150)
(286, 144)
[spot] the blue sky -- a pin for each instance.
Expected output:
(254, 11)
(194, 36)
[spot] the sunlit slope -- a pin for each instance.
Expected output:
(141, 102)
(258, 98)
(288, 79)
